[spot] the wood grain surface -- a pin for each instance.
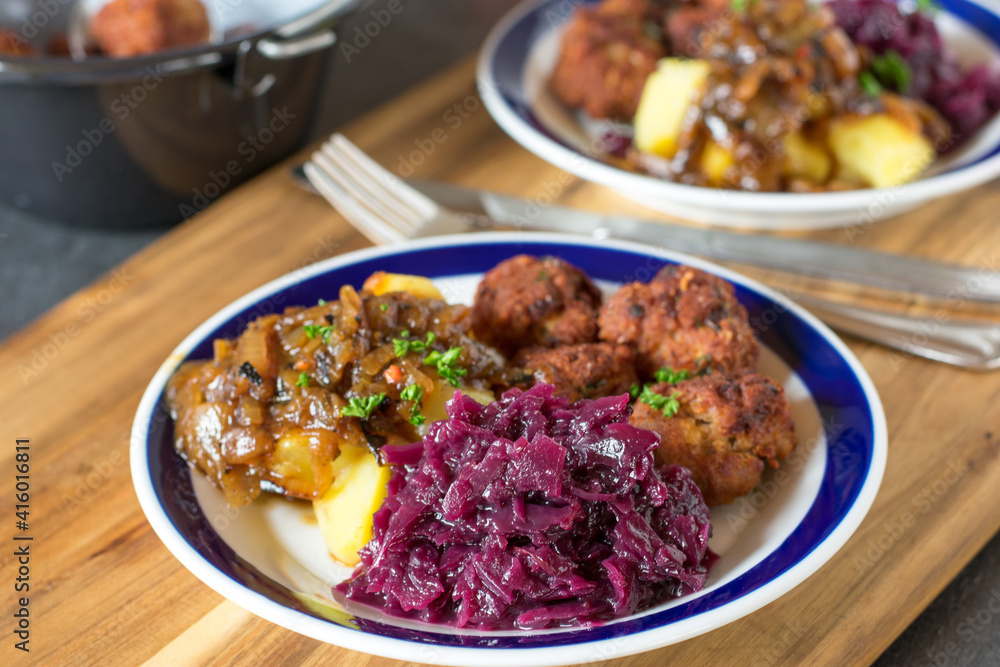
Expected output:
(104, 589)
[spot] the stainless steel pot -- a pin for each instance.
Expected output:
(152, 140)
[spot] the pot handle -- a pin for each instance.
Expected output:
(301, 37)
(285, 49)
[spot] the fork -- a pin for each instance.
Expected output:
(387, 210)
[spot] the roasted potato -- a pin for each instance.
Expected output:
(380, 283)
(345, 511)
(670, 91)
(878, 150)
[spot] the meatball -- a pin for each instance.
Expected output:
(12, 44)
(683, 319)
(125, 28)
(530, 301)
(604, 60)
(724, 430)
(588, 370)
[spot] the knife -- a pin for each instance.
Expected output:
(484, 209)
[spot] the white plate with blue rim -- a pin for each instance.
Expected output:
(269, 558)
(517, 60)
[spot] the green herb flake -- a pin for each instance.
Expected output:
(303, 380)
(324, 331)
(321, 302)
(362, 407)
(928, 6)
(414, 393)
(383, 307)
(402, 345)
(634, 391)
(892, 71)
(668, 405)
(869, 84)
(671, 376)
(445, 364)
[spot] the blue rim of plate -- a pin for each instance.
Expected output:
(848, 404)
(500, 76)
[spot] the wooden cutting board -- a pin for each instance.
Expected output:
(104, 589)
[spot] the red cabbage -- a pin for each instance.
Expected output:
(532, 512)
(967, 99)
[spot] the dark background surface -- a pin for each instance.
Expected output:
(43, 262)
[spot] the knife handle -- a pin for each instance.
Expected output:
(973, 344)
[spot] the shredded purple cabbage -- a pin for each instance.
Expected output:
(532, 512)
(966, 98)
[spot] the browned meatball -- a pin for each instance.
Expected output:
(530, 301)
(604, 60)
(588, 370)
(125, 28)
(724, 430)
(683, 319)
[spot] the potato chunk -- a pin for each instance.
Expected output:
(669, 94)
(806, 159)
(715, 162)
(380, 283)
(345, 510)
(879, 150)
(434, 401)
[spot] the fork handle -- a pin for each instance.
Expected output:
(971, 344)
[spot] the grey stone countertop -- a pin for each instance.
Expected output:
(43, 262)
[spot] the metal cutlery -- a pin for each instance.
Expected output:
(387, 210)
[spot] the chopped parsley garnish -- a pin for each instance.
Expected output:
(888, 71)
(445, 364)
(402, 345)
(303, 380)
(869, 83)
(670, 375)
(892, 71)
(362, 407)
(414, 393)
(666, 404)
(321, 302)
(740, 5)
(383, 307)
(249, 372)
(929, 6)
(323, 330)
(634, 391)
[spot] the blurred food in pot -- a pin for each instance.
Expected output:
(12, 44)
(127, 28)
